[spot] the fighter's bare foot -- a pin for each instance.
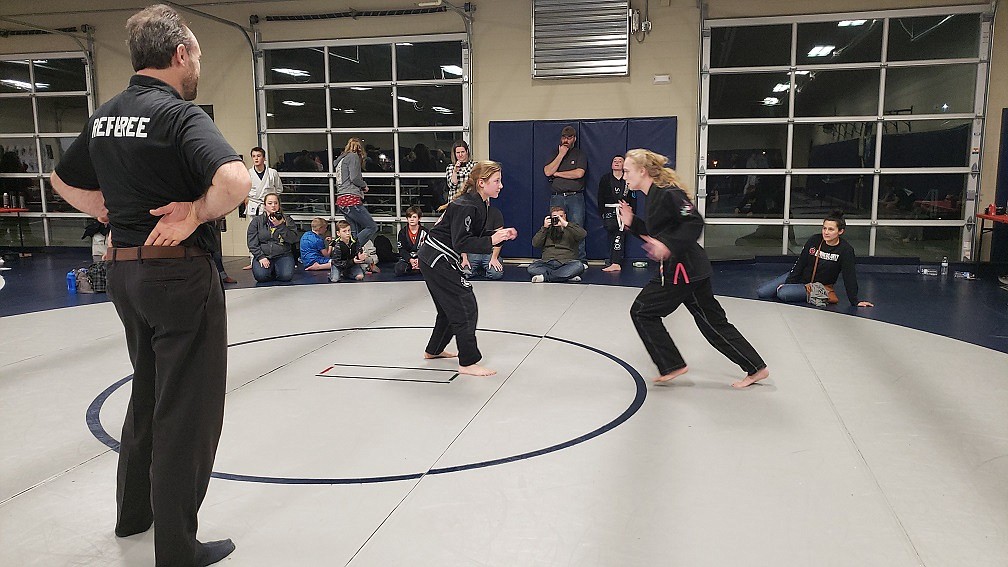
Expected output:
(476, 370)
(612, 268)
(444, 354)
(752, 378)
(249, 267)
(671, 375)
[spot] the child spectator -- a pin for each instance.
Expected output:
(410, 238)
(315, 246)
(347, 259)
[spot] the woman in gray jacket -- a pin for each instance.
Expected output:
(350, 189)
(271, 238)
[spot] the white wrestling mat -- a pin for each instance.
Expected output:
(869, 445)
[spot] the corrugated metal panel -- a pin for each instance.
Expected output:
(580, 38)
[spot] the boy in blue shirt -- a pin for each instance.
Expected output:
(315, 246)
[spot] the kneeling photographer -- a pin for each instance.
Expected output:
(559, 241)
(271, 238)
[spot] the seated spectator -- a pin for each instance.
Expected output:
(271, 238)
(486, 266)
(346, 256)
(559, 241)
(315, 246)
(823, 259)
(410, 238)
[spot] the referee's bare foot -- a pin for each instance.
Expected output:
(752, 378)
(671, 375)
(444, 354)
(476, 370)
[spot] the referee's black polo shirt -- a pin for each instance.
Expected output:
(145, 148)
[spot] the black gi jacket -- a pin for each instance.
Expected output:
(673, 220)
(460, 229)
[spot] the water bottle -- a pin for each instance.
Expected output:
(71, 282)
(944, 266)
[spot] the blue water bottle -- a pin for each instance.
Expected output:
(71, 282)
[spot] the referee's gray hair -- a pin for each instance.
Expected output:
(153, 34)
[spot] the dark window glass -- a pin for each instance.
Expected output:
(424, 152)
(926, 143)
(851, 92)
(360, 63)
(381, 198)
(297, 152)
(361, 107)
(738, 196)
(292, 66)
(930, 90)
(62, 114)
(751, 46)
(295, 108)
(430, 106)
(814, 196)
(14, 77)
(52, 151)
(833, 145)
(752, 146)
(929, 243)
(379, 147)
(742, 241)
(847, 41)
(934, 37)
(16, 116)
(748, 95)
(922, 196)
(60, 74)
(436, 60)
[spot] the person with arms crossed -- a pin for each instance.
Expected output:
(155, 165)
(566, 173)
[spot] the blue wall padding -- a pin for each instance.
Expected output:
(524, 147)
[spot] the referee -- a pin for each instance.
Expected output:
(158, 169)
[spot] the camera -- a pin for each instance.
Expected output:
(554, 220)
(277, 215)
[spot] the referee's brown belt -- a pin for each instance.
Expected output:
(155, 253)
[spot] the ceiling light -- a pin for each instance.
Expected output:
(405, 43)
(337, 109)
(406, 99)
(781, 87)
(441, 109)
(802, 72)
(23, 85)
(269, 115)
(771, 101)
(849, 23)
(293, 103)
(430, 4)
(348, 111)
(821, 50)
(453, 69)
(360, 88)
(292, 72)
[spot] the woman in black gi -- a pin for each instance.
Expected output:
(670, 237)
(460, 230)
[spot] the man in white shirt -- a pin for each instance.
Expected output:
(264, 180)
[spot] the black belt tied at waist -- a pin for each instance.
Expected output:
(155, 253)
(566, 193)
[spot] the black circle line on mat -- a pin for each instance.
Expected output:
(94, 421)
